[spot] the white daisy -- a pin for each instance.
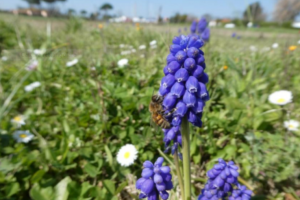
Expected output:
(122, 62)
(126, 155)
(153, 42)
(39, 51)
(142, 47)
(72, 62)
(281, 97)
(19, 120)
(291, 125)
(32, 86)
(32, 65)
(299, 42)
(275, 45)
(23, 136)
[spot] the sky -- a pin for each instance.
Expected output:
(150, 8)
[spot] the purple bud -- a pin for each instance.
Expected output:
(148, 164)
(200, 59)
(192, 52)
(205, 35)
(182, 75)
(189, 99)
(139, 183)
(176, 121)
(170, 58)
(158, 179)
(189, 64)
(176, 40)
(166, 176)
(167, 81)
(202, 25)
(156, 170)
(147, 186)
(173, 67)
(153, 195)
(161, 187)
(180, 109)
(169, 101)
(210, 174)
(192, 117)
(219, 182)
(146, 173)
(164, 195)
(174, 48)
(179, 139)
(227, 187)
(169, 185)
(142, 196)
(199, 106)
(230, 179)
(174, 148)
(171, 134)
(192, 84)
(193, 27)
(195, 42)
(184, 41)
(202, 92)
(165, 169)
(159, 161)
(163, 91)
(204, 78)
(198, 71)
(234, 173)
(166, 72)
(180, 56)
(177, 90)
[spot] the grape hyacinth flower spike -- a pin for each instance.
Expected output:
(155, 180)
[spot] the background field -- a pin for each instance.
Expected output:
(82, 115)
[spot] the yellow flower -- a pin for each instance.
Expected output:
(225, 67)
(292, 48)
(100, 26)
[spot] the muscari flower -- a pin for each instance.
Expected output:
(202, 25)
(23, 136)
(281, 97)
(222, 179)
(183, 87)
(291, 125)
(19, 120)
(205, 34)
(155, 180)
(127, 155)
(193, 27)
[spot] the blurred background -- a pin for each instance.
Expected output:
(76, 79)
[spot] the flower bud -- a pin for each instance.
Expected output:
(177, 90)
(199, 106)
(148, 164)
(174, 48)
(158, 179)
(198, 71)
(168, 81)
(180, 56)
(203, 78)
(176, 121)
(189, 99)
(192, 52)
(192, 84)
(147, 186)
(169, 101)
(182, 75)
(170, 58)
(189, 64)
(180, 109)
(173, 67)
(159, 161)
(147, 172)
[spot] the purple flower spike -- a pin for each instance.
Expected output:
(174, 48)
(202, 25)
(176, 40)
(169, 102)
(173, 67)
(241, 193)
(180, 109)
(206, 34)
(192, 85)
(178, 90)
(182, 75)
(170, 58)
(198, 72)
(193, 27)
(192, 52)
(189, 64)
(189, 99)
(180, 56)
(167, 81)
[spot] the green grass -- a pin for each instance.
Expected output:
(82, 115)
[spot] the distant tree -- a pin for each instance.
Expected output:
(286, 10)
(31, 3)
(94, 15)
(178, 18)
(254, 13)
(51, 1)
(83, 13)
(71, 12)
(106, 7)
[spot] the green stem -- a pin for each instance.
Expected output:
(186, 158)
(180, 180)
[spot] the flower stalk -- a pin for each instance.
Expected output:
(179, 176)
(186, 158)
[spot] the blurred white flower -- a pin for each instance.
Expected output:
(275, 45)
(133, 50)
(32, 65)
(72, 62)
(32, 86)
(4, 58)
(299, 42)
(281, 97)
(23, 136)
(125, 53)
(291, 125)
(19, 120)
(122, 45)
(122, 62)
(126, 155)
(93, 68)
(253, 48)
(142, 56)
(142, 47)
(39, 51)
(153, 42)
(266, 49)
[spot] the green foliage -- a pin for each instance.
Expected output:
(82, 115)
(7, 36)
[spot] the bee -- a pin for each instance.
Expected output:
(158, 113)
